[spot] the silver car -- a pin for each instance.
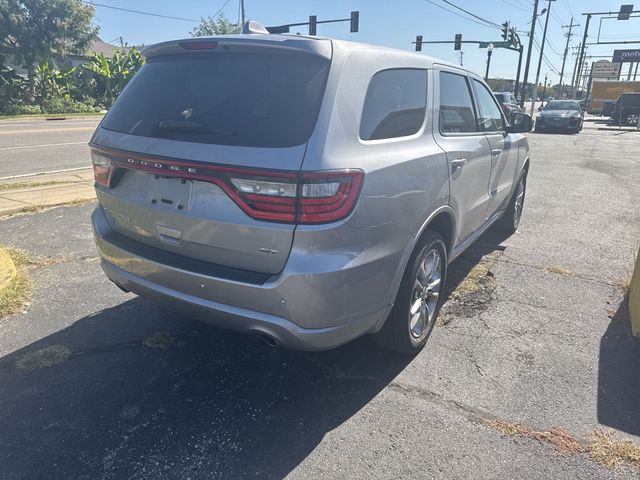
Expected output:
(302, 189)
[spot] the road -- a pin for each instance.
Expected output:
(97, 383)
(34, 146)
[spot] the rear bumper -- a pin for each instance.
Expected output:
(317, 302)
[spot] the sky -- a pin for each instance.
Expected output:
(395, 23)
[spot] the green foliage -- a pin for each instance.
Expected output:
(215, 26)
(51, 82)
(66, 105)
(12, 88)
(33, 31)
(112, 75)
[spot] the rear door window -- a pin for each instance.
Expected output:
(244, 99)
(395, 104)
(456, 105)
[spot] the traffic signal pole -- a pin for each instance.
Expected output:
(544, 38)
(526, 66)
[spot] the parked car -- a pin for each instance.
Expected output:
(626, 109)
(560, 115)
(302, 189)
(508, 103)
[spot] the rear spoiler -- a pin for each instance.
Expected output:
(242, 43)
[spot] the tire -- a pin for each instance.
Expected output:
(419, 298)
(632, 119)
(510, 220)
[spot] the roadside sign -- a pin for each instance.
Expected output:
(624, 56)
(605, 69)
(495, 44)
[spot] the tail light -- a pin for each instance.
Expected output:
(275, 196)
(102, 168)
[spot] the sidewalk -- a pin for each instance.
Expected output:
(45, 190)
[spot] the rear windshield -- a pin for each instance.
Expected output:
(244, 99)
(562, 105)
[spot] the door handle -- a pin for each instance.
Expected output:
(496, 151)
(458, 163)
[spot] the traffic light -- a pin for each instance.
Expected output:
(513, 38)
(505, 30)
(418, 43)
(457, 45)
(313, 20)
(625, 12)
(355, 20)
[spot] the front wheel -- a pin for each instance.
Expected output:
(632, 119)
(419, 299)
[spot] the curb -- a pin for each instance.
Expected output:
(7, 268)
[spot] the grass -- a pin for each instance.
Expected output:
(49, 115)
(16, 294)
(600, 445)
(558, 270)
(17, 185)
(613, 453)
(561, 440)
(478, 278)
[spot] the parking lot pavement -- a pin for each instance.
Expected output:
(39, 145)
(97, 383)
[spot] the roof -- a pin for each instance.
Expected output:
(100, 46)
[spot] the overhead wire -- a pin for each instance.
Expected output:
(460, 15)
(140, 12)
(471, 14)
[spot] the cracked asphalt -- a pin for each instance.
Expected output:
(99, 384)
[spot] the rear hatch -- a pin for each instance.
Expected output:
(200, 154)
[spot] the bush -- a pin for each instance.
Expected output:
(22, 110)
(67, 105)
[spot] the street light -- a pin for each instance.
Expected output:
(489, 52)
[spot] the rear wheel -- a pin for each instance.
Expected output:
(632, 119)
(419, 299)
(511, 217)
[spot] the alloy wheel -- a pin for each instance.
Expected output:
(426, 293)
(632, 119)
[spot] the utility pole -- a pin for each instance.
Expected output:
(564, 58)
(242, 11)
(544, 38)
(526, 67)
(583, 46)
(575, 69)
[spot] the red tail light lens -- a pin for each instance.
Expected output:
(328, 197)
(275, 196)
(102, 168)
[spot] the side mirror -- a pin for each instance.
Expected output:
(520, 123)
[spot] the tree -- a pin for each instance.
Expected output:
(215, 26)
(113, 74)
(33, 31)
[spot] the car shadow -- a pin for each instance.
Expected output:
(619, 375)
(107, 398)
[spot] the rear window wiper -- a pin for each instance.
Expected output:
(189, 127)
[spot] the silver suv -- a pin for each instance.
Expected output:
(305, 190)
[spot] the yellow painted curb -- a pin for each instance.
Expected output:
(7, 268)
(634, 299)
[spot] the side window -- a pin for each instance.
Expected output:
(489, 115)
(456, 106)
(395, 104)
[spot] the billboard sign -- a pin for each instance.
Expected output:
(623, 56)
(606, 69)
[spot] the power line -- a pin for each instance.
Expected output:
(472, 14)
(140, 12)
(515, 5)
(458, 15)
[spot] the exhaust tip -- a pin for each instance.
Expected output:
(266, 338)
